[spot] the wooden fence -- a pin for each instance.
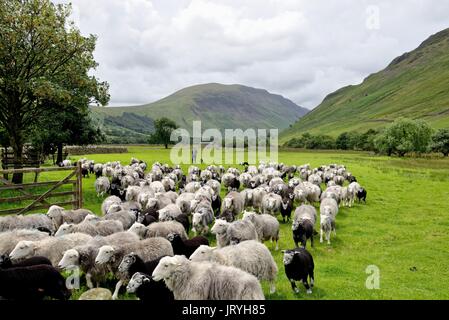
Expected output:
(40, 201)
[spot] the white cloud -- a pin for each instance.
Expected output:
(298, 48)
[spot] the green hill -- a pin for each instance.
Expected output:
(216, 105)
(414, 85)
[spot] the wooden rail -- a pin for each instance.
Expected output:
(40, 201)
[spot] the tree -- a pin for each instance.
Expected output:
(404, 136)
(164, 127)
(343, 141)
(44, 62)
(440, 142)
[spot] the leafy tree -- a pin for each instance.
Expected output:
(44, 62)
(343, 141)
(404, 136)
(164, 127)
(440, 142)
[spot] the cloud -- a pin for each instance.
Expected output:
(301, 49)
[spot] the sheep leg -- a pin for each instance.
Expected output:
(321, 235)
(294, 287)
(306, 284)
(89, 283)
(117, 288)
(328, 236)
(312, 279)
(277, 244)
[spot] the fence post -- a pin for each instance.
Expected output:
(79, 179)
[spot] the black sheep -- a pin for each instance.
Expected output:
(216, 204)
(32, 283)
(6, 263)
(361, 195)
(156, 291)
(116, 190)
(227, 215)
(352, 179)
(186, 247)
(235, 184)
(85, 172)
(149, 290)
(299, 266)
(148, 216)
(98, 173)
(184, 220)
(286, 208)
(302, 232)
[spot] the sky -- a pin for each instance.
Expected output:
(301, 49)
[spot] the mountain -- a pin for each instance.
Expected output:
(414, 85)
(216, 105)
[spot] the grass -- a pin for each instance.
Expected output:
(402, 229)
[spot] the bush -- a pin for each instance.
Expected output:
(440, 142)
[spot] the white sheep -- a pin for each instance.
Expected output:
(102, 186)
(220, 229)
(267, 226)
(271, 204)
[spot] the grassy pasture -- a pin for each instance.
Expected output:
(403, 229)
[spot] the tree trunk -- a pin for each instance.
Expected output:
(166, 145)
(17, 146)
(59, 158)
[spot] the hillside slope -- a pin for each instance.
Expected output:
(216, 105)
(414, 85)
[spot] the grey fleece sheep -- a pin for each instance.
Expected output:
(91, 227)
(206, 281)
(241, 230)
(102, 186)
(9, 239)
(59, 215)
(303, 224)
(52, 248)
(328, 213)
(271, 204)
(169, 213)
(148, 249)
(127, 218)
(32, 221)
(250, 256)
(233, 202)
(267, 226)
(163, 229)
(184, 200)
(258, 195)
(220, 229)
(108, 202)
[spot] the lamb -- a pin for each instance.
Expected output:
(148, 249)
(206, 281)
(84, 256)
(361, 195)
(102, 186)
(186, 247)
(201, 221)
(149, 290)
(6, 263)
(220, 229)
(303, 223)
(31, 221)
(241, 230)
(286, 208)
(100, 228)
(271, 204)
(299, 266)
(234, 202)
(250, 256)
(266, 225)
(52, 248)
(328, 212)
(9, 239)
(163, 229)
(33, 283)
(59, 215)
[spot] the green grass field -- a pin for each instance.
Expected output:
(403, 228)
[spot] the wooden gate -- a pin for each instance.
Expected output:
(40, 201)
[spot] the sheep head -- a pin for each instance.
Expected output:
(136, 281)
(167, 266)
(23, 249)
(105, 254)
(202, 253)
(70, 258)
(127, 262)
(64, 229)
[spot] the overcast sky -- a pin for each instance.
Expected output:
(302, 49)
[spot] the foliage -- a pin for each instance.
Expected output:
(163, 129)
(440, 142)
(313, 142)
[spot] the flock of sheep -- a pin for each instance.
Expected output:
(142, 238)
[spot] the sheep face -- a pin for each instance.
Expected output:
(288, 256)
(127, 262)
(136, 281)
(197, 222)
(220, 227)
(151, 203)
(227, 203)
(203, 253)
(55, 214)
(22, 250)
(167, 266)
(64, 229)
(91, 218)
(139, 229)
(70, 258)
(105, 255)
(250, 216)
(114, 208)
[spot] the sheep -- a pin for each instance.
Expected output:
(361, 195)
(33, 283)
(245, 179)
(9, 239)
(215, 185)
(220, 229)
(169, 184)
(266, 225)
(172, 195)
(169, 212)
(250, 256)
(286, 208)
(84, 256)
(303, 223)
(6, 263)
(353, 188)
(206, 281)
(333, 192)
(216, 203)
(132, 193)
(99, 228)
(247, 195)
(186, 247)
(328, 212)
(241, 230)
(52, 248)
(271, 204)
(108, 202)
(127, 218)
(59, 215)
(184, 200)
(339, 180)
(299, 266)
(148, 216)
(227, 215)
(329, 206)
(227, 180)
(148, 249)
(258, 195)
(233, 202)
(163, 229)
(192, 187)
(149, 290)
(201, 220)
(162, 200)
(102, 186)
(31, 221)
